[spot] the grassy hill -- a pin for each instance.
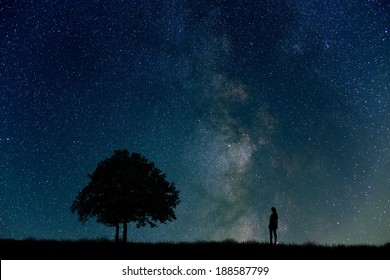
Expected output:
(226, 250)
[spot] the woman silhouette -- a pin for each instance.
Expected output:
(273, 225)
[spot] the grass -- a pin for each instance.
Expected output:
(104, 249)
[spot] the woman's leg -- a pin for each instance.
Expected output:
(275, 236)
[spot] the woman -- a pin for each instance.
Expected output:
(273, 225)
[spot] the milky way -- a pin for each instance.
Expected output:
(244, 105)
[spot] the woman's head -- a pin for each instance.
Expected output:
(273, 209)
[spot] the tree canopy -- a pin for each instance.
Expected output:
(127, 188)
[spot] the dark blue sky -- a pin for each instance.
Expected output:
(244, 105)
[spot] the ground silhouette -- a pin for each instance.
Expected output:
(224, 250)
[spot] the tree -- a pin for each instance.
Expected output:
(127, 188)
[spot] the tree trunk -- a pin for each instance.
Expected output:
(117, 233)
(124, 232)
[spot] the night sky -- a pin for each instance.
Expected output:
(244, 105)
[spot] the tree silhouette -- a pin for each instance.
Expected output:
(127, 188)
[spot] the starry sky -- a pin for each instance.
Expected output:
(244, 105)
